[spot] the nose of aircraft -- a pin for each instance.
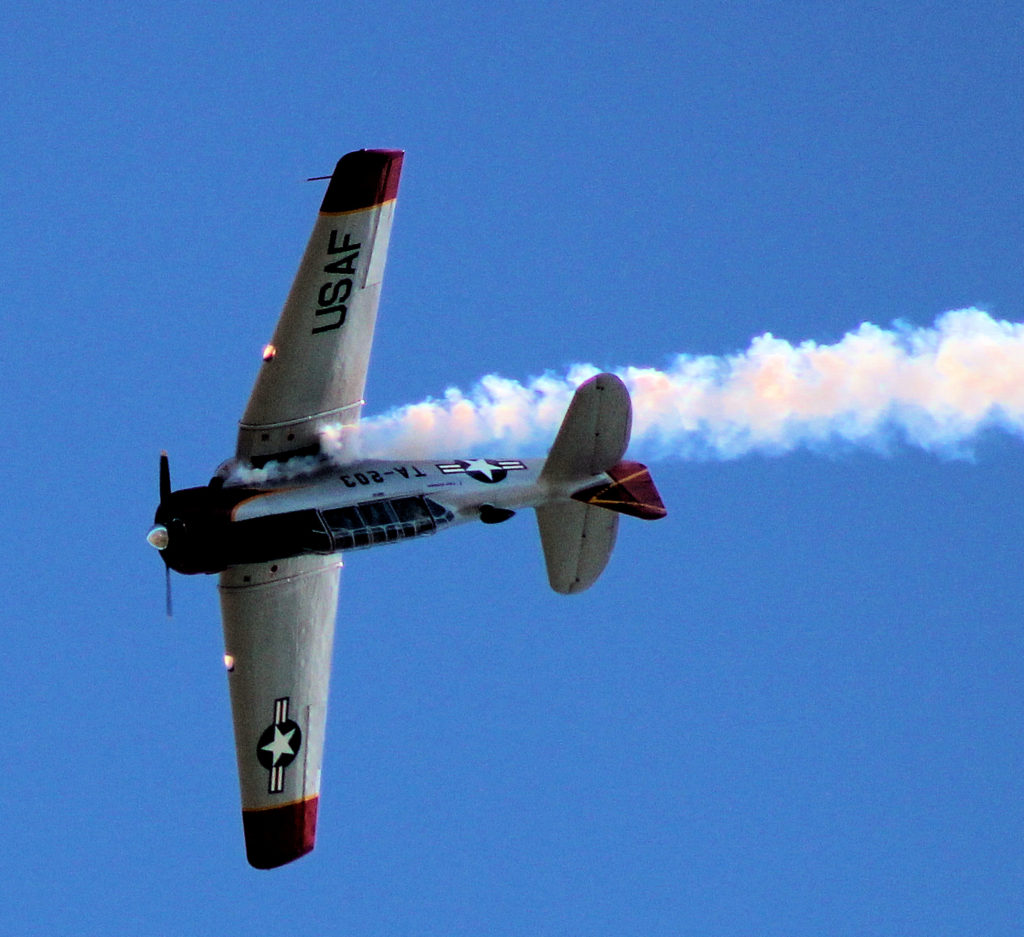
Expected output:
(157, 537)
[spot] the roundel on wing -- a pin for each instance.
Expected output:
(279, 744)
(485, 470)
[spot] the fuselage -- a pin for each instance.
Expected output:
(340, 508)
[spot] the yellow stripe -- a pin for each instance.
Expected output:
(629, 478)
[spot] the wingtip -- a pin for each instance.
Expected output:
(278, 835)
(363, 179)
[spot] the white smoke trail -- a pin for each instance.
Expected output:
(932, 387)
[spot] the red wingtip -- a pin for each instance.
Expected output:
(278, 835)
(363, 179)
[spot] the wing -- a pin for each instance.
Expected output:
(314, 369)
(278, 632)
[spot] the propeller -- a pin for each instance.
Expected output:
(165, 476)
(158, 537)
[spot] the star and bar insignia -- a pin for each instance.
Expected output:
(482, 470)
(278, 745)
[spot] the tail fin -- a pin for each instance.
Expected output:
(630, 491)
(578, 535)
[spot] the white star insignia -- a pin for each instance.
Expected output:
(281, 745)
(483, 467)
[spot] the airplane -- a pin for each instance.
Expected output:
(277, 543)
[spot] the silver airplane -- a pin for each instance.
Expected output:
(277, 544)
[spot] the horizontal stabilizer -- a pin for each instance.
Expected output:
(630, 491)
(577, 540)
(594, 433)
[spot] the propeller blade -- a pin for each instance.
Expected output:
(158, 535)
(165, 477)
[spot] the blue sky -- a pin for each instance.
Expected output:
(792, 708)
